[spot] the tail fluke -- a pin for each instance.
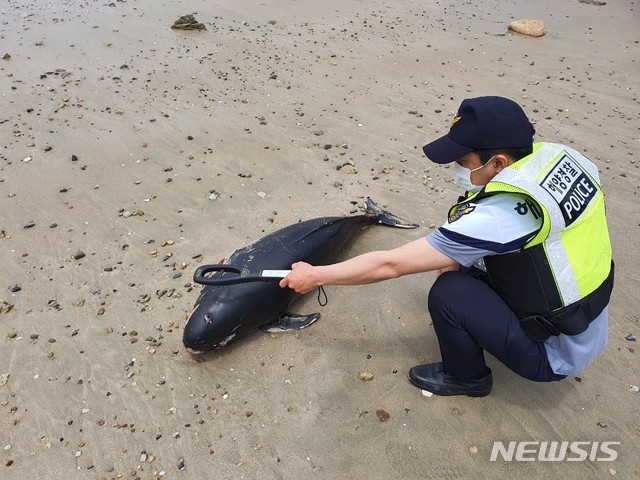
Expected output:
(385, 217)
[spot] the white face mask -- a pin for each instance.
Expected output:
(463, 176)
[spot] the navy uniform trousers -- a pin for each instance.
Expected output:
(469, 317)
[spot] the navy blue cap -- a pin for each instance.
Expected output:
(482, 122)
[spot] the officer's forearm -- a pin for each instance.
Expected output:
(414, 257)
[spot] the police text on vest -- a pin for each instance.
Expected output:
(571, 188)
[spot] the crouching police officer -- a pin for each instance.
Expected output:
(524, 260)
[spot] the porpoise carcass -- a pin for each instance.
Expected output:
(234, 302)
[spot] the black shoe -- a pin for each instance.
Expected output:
(433, 379)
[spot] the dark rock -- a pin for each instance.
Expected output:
(188, 22)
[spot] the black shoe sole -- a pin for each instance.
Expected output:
(468, 394)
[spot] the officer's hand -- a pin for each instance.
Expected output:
(300, 279)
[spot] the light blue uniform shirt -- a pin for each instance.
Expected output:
(501, 224)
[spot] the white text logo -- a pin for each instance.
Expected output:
(554, 451)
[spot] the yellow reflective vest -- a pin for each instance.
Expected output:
(562, 279)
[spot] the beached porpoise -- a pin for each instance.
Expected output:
(227, 312)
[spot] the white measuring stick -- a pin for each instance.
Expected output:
(274, 273)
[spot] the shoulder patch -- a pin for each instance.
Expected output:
(571, 187)
(463, 209)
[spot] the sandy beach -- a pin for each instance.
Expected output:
(133, 152)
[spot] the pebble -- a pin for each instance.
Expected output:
(4, 378)
(27, 159)
(78, 255)
(15, 289)
(366, 376)
(5, 307)
(630, 338)
(602, 424)
(383, 415)
(634, 388)
(532, 28)
(127, 214)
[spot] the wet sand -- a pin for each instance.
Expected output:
(118, 131)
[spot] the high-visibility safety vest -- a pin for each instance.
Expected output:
(562, 279)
